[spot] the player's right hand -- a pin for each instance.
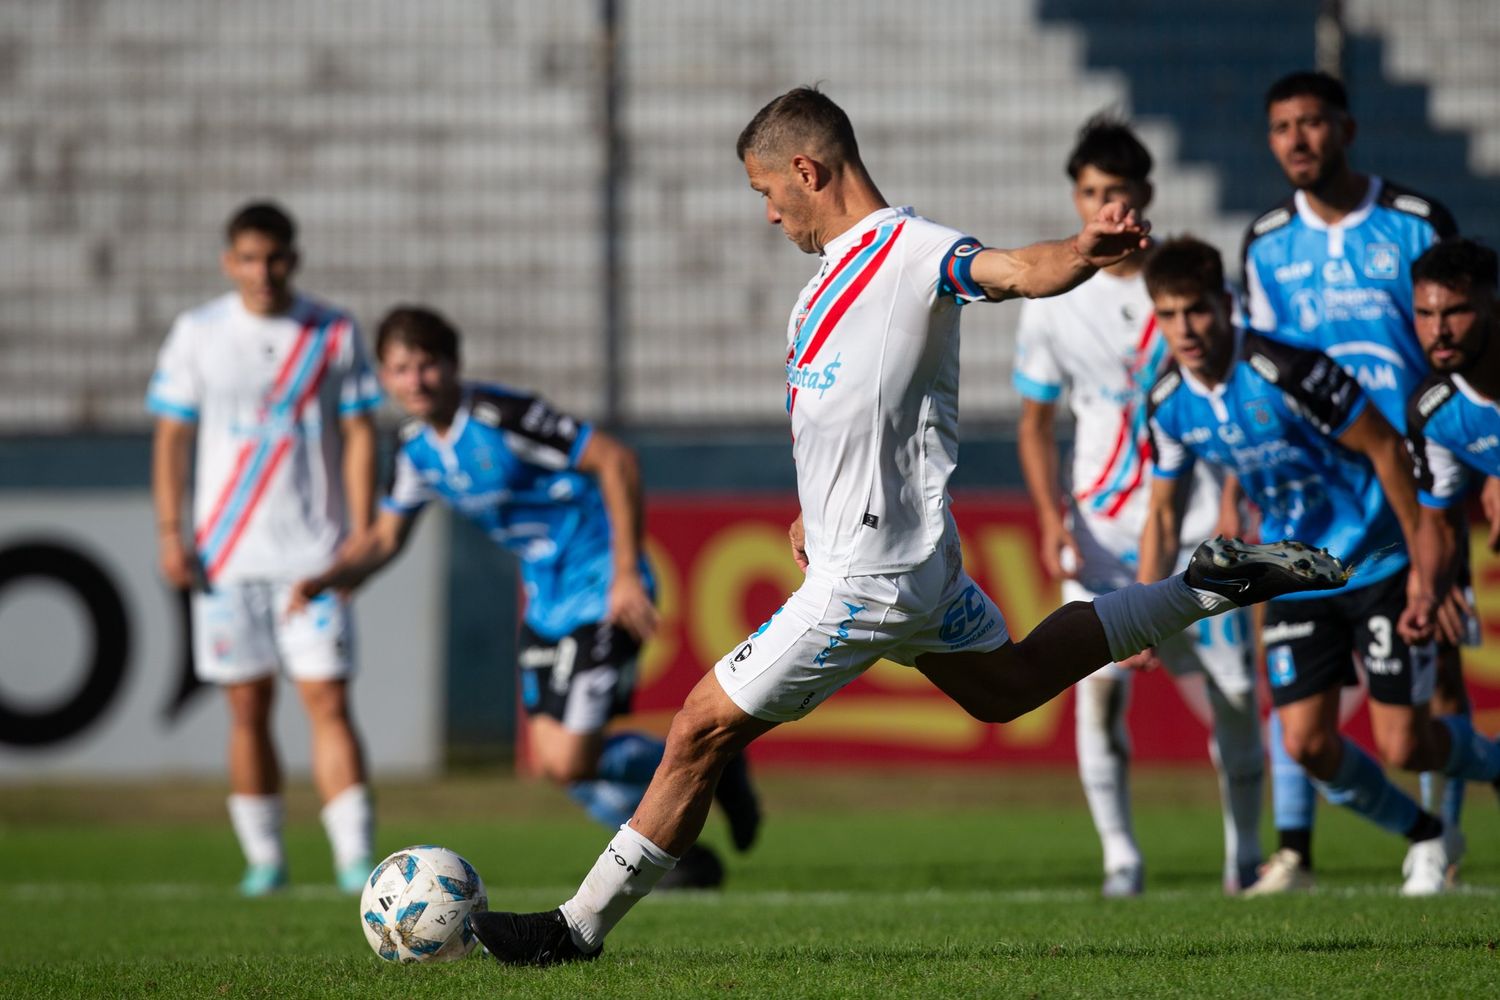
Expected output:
(1143, 661)
(178, 562)
(798, 537)
(1059, 552)
(303, 592)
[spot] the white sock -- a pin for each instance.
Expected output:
(628, 869)
(1236, 751)
(1104, 765)
(1143, 614)
(349, 821)
(257, 823)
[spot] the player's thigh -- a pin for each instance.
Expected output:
(580, 680)
(317, 644)
(1309, 649)
(234, 634)
(827, 633)
(1396, 673)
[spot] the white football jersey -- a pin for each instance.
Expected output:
(872, 392)
(1100, 342)
(267, 395)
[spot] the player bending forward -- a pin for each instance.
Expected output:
(1323, 465)
(874, 451)
(566, 499)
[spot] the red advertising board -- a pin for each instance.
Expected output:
(723, 566)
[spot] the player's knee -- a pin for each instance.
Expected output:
(250, 704)
(325, 702)
(1312, 749)
(1400, 749)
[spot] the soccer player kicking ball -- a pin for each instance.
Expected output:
(874, 449)
(1324, 466)
(566, 499)
(1100, 342)
(276, 388)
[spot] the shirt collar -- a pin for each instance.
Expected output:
(840, 244)
(1361, 212)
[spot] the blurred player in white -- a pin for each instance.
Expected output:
(872, 393)
(277, 390)
(1100, 344)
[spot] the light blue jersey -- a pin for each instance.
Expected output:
(1450, 426)
(509, 464)
(1345, 289)
(1274, 421)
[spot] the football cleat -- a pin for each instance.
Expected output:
(1240, 878)
(1426, 867)
(1123, 883)
(737, 797)
(262, 880)
(1282, 873)
(1247, 573)
(528, 938)
(698, 868)
(351, 877)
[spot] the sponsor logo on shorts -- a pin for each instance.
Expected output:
(1280, 669)
(841, 636)
(966, 620)
(743, 654)
(1286, 632)
(1384, 666)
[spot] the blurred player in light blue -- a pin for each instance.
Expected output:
(1327, 469)
(1328, 269)
(565, 498)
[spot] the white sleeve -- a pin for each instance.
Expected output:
(360, 390)
(176, 390)
(1169, 457)
(1037, 375)
(409, 492)
(1440, 476)
(1257, 306)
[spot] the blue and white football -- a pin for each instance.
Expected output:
(415, 904)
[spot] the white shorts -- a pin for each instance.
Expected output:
(1219, 647)
(833, 629)
(241, 633)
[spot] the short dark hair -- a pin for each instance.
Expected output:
(419, 328)
(802, 116)
(1309, 83)
(1108, 144)
(1184, 265)
(262, 217)
(1459, 264)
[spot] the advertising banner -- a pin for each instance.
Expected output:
(723, 566)
(95, 672)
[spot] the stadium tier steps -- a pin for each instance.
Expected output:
(1422, 80)
(449, 152)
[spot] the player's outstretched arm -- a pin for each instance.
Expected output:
(614, 465)
(169, 474)
(1055, 266)
(364, 556)
(1036, 444)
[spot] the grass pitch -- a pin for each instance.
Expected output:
(950, 885)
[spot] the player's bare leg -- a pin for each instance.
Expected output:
(339, 773)
(561, 755)
(255, 804)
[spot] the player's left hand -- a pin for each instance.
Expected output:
(1143, 661)
(303, 594)
(630, 607)
(1114, 234)
(1419, 619)
(1489, 498)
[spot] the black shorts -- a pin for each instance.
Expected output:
(583, 679)
(1312, 645)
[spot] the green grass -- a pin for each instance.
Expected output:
(971, 884)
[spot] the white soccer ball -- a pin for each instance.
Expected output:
(416, 904)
